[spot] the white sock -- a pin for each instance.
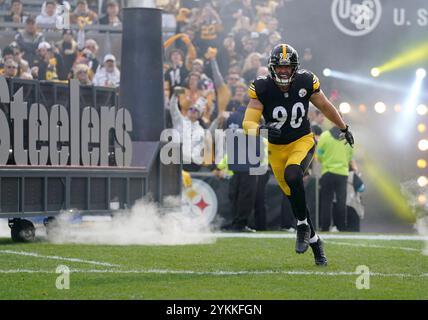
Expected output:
(313, 239)
(302, 222)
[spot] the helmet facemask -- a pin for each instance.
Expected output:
(283, 57)
(281, 80)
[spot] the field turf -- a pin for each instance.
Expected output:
(230, 268)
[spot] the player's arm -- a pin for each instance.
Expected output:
(252, 117)
(320, 101)
(327, 108)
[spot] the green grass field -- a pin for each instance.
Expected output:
(230, 268)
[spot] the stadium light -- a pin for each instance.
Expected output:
(366, 81)
(408, 58)
(397, 107)
(362, 108)
(406, 123)
(422, 199)
(326, 72)
(345, 107)
(422, 181)
(421, 109)
(421, 73)
(375, 72)
(423, 145)
(421, 163)
(380, 107)
(422, 127)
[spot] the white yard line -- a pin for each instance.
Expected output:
(36, 255)
(372, 246)
(323, 236)
(216, 273)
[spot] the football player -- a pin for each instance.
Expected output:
(283, 99)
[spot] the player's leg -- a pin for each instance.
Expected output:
(301, 155)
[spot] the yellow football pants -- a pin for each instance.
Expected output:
(299, 152)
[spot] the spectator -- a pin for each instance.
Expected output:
(182, 20)
(243, 184)
(93, 47)
(25, 72)
(10, 68)
(239, 92)
(208, 25)
(249, 44)
(81, 73)
(49, 63)
(41, 63)
(233, 10)
(227, 54)
(7, 53)
(29, 39)
(262, 71)
(335, 157)
(86, 57)
(169, 6)
(16, 13)
(23, 65)
(269, 41)
(177, 73)
(193, 91)
(206, 82)
(233, 79)
(48, 17)
(82, 12)
(264, 16)
(112, 17)
(94, 5)
(68, 50)
(251, 65)
(243, 24)
(188, 126)
(221, 89)
(108, 75)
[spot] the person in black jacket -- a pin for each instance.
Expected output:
(244, 182)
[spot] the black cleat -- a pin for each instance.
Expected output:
(318, 250)
(302, 239)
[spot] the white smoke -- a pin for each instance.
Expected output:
(418, 200)
(145, 223)
(4, 229)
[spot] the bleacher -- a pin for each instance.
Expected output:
(108, 38)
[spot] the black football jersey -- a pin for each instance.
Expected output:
(288, 110)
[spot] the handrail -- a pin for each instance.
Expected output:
(98, 27)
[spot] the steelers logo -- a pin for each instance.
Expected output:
(200, 200)
(302, 93)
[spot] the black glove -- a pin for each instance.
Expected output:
(346, 134)
(273, 133)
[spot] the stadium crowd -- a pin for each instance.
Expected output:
(216, 48)
(74, 56)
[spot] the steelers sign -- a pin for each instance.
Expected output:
(201, 200)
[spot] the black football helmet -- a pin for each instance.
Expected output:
(283, 55)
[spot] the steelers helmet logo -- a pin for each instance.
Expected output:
(200, 200)
(302, 93)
